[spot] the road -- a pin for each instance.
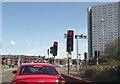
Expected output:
(7, 75)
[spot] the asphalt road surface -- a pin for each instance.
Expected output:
(7, 75)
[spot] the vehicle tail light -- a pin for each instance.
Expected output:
(62, 82)
(57, 81)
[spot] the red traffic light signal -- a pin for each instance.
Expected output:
(70, 40)
(70, 33)
(55, 48)
(55, 43)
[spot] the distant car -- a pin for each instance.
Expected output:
(37, 73)
(10, 65)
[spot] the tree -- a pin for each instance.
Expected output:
(112, 50)
(92, 61)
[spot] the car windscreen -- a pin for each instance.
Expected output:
(28, 70)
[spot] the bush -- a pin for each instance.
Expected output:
(107, 75)
(102, 73)
(89, 73)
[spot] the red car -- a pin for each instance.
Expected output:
(37, 73)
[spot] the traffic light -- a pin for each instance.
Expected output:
(47, 51)
(95, 53)
(85, 54)
(98, 53)
(55, 48)
(70, 40)
(51, 50)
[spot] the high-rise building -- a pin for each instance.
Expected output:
(103, 26)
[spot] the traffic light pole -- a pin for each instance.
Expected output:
(77, 55)
(54, 60)
(79, 37)
(69, 45)
(48, 54)
(48, 58)
(68, 66)
(69, 56)
(97, 54)
(97, 57)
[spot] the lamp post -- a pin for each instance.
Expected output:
(102, 21)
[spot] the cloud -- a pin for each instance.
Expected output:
(35, 43)
(12, 42)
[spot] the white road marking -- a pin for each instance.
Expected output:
(10, 69)
(2, 75)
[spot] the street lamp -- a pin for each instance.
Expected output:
(102, 21)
